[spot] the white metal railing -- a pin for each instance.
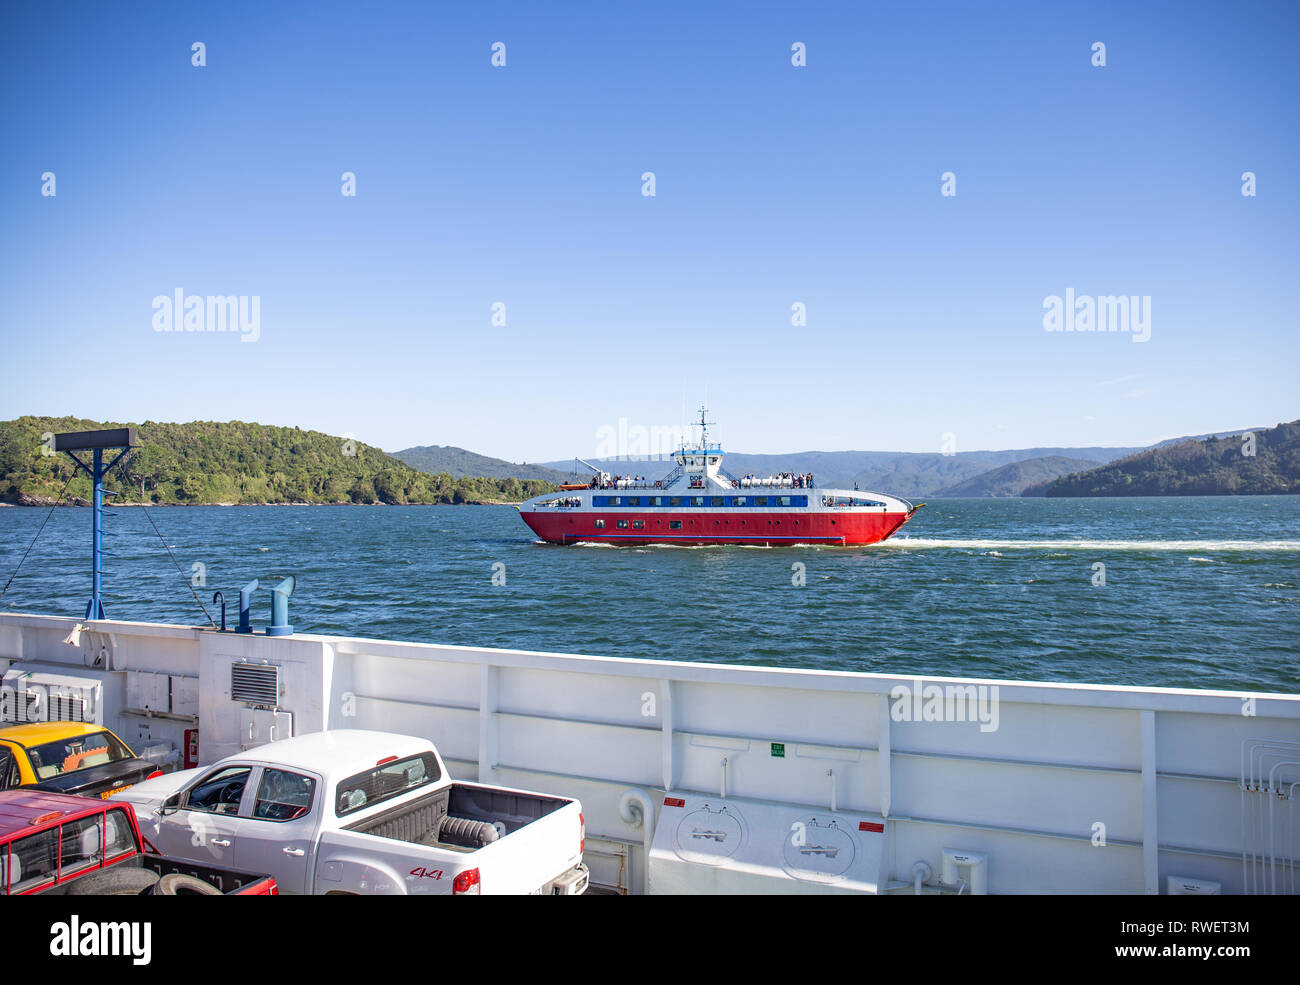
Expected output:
(1059, 794)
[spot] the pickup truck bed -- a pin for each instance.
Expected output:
(230, 882)
(432, 819)
(506, 841)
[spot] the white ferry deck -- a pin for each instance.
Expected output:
(712, 779)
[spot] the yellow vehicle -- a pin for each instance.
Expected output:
(69, 757)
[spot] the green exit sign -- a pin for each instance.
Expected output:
(778, 750)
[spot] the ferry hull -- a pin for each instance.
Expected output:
(761, 530)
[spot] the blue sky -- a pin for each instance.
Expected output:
(775, 184)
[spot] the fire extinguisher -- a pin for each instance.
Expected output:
(191, 748)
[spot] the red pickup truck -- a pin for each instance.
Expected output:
(56, 843)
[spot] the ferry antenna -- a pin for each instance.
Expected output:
(704, 427)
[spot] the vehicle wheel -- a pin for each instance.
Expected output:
(179, 885)
(120, 881)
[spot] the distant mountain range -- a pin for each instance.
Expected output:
(1265, 462)
(1015, 472)
(1014, 479)
(459, 463)
(909, 474)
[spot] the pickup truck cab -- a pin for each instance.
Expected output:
(360, 812)
(59, 844)
(69, 757)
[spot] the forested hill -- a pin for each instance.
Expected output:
(234, 462)
(1214, 467)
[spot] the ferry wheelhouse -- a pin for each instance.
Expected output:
(699, 502)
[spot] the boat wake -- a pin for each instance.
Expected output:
(1202, 546)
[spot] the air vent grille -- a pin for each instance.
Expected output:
(258, 684)
(65, 709)
(29, 707)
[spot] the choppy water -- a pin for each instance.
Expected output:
(1199, 592)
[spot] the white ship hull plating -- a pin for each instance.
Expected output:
(706, 778)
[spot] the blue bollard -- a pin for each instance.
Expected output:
(280, 609)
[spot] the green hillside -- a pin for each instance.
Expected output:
(234, 462)
(1214, 467)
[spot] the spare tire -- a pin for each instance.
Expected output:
(120, 880)
(176, 884)
(466, 833)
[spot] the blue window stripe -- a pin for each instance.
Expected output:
(704, 502)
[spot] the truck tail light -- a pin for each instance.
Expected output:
(582, 834)
(466, 884)
(154, 775)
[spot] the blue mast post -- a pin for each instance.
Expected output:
(246, 607)
(95, 608)
(96, 442)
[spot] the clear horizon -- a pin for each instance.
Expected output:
(801, 267)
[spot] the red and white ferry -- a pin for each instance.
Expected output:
(698, 502)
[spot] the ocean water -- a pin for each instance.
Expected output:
(1198, 592)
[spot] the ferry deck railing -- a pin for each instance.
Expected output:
(1072, 788)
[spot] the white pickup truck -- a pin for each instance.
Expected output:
(363, 812)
